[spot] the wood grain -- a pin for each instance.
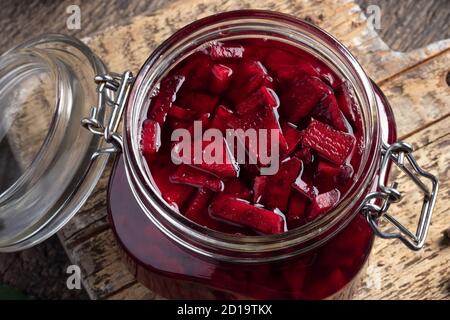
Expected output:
(414, 82)
(405, 25)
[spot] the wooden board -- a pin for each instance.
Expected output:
(414, 82)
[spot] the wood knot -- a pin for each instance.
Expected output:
(447, 79)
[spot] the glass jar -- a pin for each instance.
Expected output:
(177, 258)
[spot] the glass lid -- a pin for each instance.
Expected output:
(48, 161)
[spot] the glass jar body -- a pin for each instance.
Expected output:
(177, 258)
(332, 270)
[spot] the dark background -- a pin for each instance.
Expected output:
(40, 272)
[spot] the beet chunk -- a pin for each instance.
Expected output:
(244, 214)
(301, 96)
(333, 145)
(196, 178)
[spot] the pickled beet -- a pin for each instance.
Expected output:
(254, 84)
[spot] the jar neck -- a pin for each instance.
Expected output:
(235, 25)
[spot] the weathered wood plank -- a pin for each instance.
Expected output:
(128, 47)
(397, 273)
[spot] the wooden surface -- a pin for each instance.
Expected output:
(405, 24)
(414, 82)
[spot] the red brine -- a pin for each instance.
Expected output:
(255, 84)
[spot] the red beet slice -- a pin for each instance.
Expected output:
(196, 178)
(220, 51)
(329, 175)
(199, 102)
(264, 118)
(174, 194)
(292, 136)
(225, 167)
(328, 111)
(205, 120)
(346, 101)
(277, 187)
(300, 97)
(197, 72)
(222, 116)
(250, 76)
(259, 188)
(198, 209)
(305, 155)
(174, 124)
(181, 113)
(304, 183)
(244, 214)
(220, 79)
(237, 189)
(151, 138)
(331, 144)
(262, 97)
(323, 203)
(297, 210)
(166, 96)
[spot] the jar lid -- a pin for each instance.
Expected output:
(48, 161)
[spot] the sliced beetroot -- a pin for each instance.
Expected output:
(174, 124)
(250, 76)
(262, 97)
(237, 189)
(151, 138)
(236, 85)
(259, 187)
(205, 120)
(221, 118)
(163, 101)
(304, 182)
(333, 145)
(221, 51)
(323, 203)
(244, 214)
(264, 118)
(194, 177)
(221, 76)
(301, 96)
(175, 194)
(291, 135)
(181, 113)
(296, 215)
(328, 111)
(330, 175)
(197, 210)
(305, 155)
(197, 72)
(222, 165)
(199, 102)
(346, 101)
(277, 187)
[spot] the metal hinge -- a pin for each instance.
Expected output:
(104, 119)
(377, 203)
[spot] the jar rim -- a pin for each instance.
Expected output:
(209, 242)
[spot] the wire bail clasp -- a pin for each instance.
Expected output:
(112, 90)
(377, 203)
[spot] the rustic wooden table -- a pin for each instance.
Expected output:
(416, 83)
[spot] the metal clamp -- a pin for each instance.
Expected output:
(377, 203)
(113, 90)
